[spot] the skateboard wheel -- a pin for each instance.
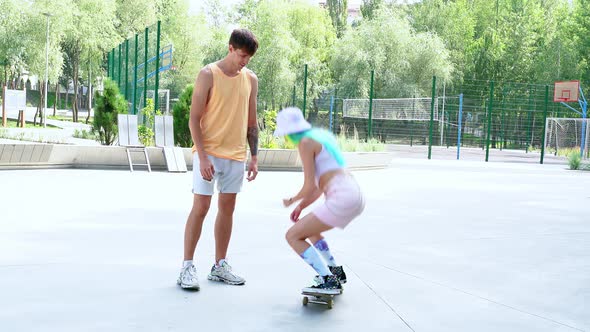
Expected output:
(330, 304)
(305, 300)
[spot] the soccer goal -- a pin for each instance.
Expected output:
(414, 109)
(566, 135)
(163, 100)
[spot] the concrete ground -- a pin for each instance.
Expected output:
(442, 246)
(475, 154)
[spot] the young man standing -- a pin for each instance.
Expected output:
(222, 119)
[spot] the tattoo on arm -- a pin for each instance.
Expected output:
(253, 140)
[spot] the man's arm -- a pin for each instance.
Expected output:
(201, 90)
(252, 134)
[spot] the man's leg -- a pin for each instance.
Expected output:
(192, 232)
(221, 270)
(230, 183)
(194, 224)
(223, 224)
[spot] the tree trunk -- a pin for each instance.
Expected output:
(75, 98)
(40, 106)
(76, 67)
(67, 93)
(89, 107)
(36, 113)
(56, 98)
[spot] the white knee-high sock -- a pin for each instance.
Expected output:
(311, 257)
(324, 250)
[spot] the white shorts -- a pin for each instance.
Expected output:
(229, 175)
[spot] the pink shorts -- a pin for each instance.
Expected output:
(344, 201)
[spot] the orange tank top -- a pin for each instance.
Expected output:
(225, 122)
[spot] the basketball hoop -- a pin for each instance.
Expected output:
(566, 91)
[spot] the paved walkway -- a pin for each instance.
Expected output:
(63, 134)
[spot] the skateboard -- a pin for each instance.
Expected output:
(319, 298)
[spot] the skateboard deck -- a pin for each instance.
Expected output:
(318, 298)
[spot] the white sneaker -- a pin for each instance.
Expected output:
(224, 273)
(188, 278)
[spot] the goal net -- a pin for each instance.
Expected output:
(566, 135)
(416, 109)
(163, 100)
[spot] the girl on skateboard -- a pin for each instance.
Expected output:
(324, 173)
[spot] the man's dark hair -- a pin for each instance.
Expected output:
(242, 39)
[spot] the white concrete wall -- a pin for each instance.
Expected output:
(59, 155)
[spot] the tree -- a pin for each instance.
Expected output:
(270, 23)
(13, 50)
(92, 32)
(454, 22)
(557, 57)
(133, 16)
(582, 33)
(404, 61)
(216, 13)
(370, 7)
(108, 106)
(338, 10)
(34, 36)
(315, 36)
(181, 113)
(190, 37)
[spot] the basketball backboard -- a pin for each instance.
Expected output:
(566, 91)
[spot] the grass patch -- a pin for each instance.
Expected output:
(574, 160)
(84, 134)
(14, 124)
(69, 119)
(354, 144)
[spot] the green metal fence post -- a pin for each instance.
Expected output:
(336, 111)
(304, 89)
(119, 65)
(529, 127)
(109, 66)
(145, 68)
(113, 57)
(113, 62)
(156, 94)
(370, 129)
(127, 69)
(114, 51)
(293, 103)
(410, 122)
(503, 125)
(431, 116)
(135, 75)
(544, 123)
(490, 109)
